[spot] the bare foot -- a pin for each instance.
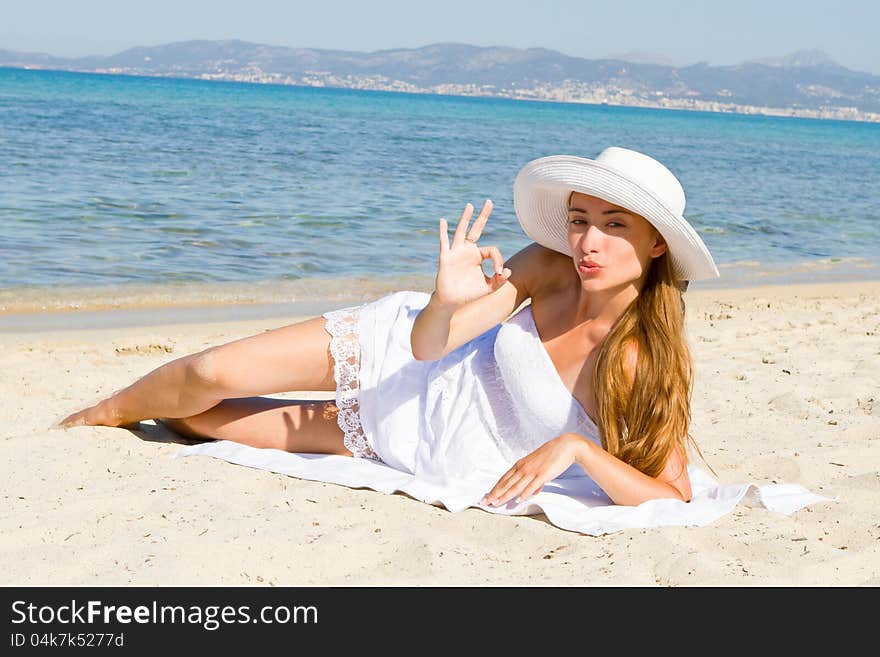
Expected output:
(97, 415)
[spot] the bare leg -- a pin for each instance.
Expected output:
(291, 425)
(293, 357)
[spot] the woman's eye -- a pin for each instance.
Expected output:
(610, 224)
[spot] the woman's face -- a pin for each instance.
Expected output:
(621, 243)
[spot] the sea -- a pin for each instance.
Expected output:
(127, 192)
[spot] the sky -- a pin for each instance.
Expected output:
(718, 32)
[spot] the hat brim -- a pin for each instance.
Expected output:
(540, 198)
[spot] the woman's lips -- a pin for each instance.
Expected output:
(589, 268)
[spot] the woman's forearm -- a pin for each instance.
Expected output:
(430, 332)
(180, 388)
(623, 483)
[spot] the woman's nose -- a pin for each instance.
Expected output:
(590, 239)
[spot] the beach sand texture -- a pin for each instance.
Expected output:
(787, 390)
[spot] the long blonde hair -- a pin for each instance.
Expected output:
(642, 420)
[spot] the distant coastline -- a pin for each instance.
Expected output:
(807, 84)
(574, 93)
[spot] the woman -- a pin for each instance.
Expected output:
(592, 377)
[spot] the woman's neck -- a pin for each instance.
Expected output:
(603, 307)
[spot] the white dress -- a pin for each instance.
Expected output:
(445, 431)
(470, 414)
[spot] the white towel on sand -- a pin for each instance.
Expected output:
(573, 503)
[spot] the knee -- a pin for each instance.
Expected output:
(201, 368)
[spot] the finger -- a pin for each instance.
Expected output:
(533, 489)
(495, 254)
(515, 491)
(461, 229)
(505, 480)
(498, 280)
(489, 497)
(497, 489)
(477, 229)
(501, 493)
(495, 283)
(444, 235)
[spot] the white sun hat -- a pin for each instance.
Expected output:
(620, 176)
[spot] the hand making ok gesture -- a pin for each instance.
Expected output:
(460, 276)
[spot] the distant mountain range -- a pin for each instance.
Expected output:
(805, 83)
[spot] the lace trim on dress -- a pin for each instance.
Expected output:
(346, 352)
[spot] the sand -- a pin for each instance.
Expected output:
(787, 390)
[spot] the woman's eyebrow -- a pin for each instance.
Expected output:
(621, 211)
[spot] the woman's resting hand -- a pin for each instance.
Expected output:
(532, 471)
(460, 276)
(624, 484)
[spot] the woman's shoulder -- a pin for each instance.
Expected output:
(548, 271)
(528, 271)
(544, 277)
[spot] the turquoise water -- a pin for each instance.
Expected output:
(112, 181)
